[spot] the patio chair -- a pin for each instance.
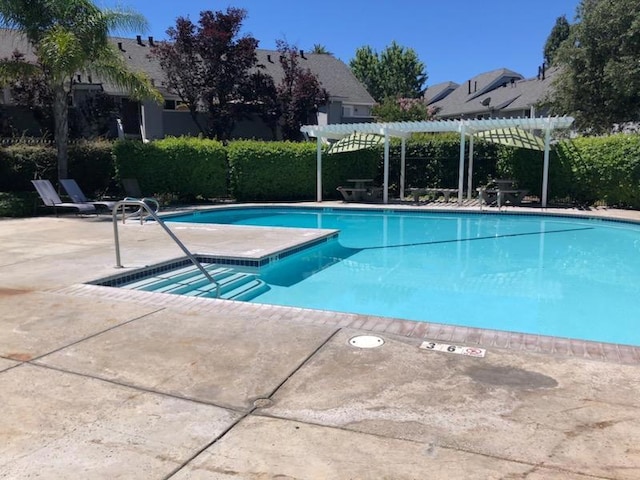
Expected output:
(77, 195)
(131, 187)
(51, 199)
(133, 192)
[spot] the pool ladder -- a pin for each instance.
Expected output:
(144, 206)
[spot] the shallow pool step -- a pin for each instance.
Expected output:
(184, 275)
(190, 280)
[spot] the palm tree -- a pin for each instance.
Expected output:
(70, 37)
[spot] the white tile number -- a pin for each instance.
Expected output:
(459, 350)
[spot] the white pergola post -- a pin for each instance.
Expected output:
(385, 185)
(470, 170)
(402, 167)
(319, 169)
(461, 167)
(545, 173)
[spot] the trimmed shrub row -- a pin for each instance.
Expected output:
(585, 170)
(287, 171)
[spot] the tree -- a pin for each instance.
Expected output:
(29, 89)
(68, 37)
(559, 33)
(599, 79)
(320, 49)
(403, 110)
(299, 92)
(210, 67)
(396, 72)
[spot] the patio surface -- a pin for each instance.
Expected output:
(101, 383)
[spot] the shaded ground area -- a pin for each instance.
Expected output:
(104, 383)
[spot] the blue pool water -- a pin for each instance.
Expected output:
(568, 277)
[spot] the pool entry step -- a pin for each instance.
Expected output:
(234, 284)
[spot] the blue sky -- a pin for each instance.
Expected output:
(454, 39)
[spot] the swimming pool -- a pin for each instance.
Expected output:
(559, 276)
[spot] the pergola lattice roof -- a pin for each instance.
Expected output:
(463, 127)
(404, 129)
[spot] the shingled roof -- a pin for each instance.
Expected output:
(334, 75)
(465, 99)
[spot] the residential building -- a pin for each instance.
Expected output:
(349, 101)
(500, 93)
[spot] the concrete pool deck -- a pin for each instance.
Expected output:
(105, 383)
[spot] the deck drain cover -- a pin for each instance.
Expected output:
(366, 341)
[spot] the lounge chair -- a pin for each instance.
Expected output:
(133, 192)
(131, 187)
(75, 193)
(50, 198)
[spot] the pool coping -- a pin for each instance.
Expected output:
(452, 334)
(423, 330)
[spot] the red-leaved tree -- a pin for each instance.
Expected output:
(213, 70)
(300, 93)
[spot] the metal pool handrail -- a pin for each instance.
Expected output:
(131, 202)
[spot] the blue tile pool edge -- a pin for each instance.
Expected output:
(121, 279)
(400, 328)
(405, 210)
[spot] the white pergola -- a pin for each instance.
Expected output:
(403, 130)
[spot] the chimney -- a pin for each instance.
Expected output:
(302, 54)
(469, 87)
(120, 47)
(543, 70)
(139, 40)
(475, 86)
(269, 58)
(151, 42)
(539, 72)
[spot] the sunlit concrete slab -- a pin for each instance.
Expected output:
(223, 360)
(45, 253)
(299, 450)
(35, 323)
(65, 426)
(5, 364)
(519, 407)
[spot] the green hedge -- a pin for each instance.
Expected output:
(90, 164)
(585, 170)
(287, 171)
(187, 167)
(433, 160)
(21, 163)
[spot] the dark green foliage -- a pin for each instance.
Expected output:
(18, 204)
(606, 169)
(432, 160)
(187, 167)
(559, 33)
(397, 72)
(599, 79)
(287, 171)
(90, 165)
(586, 170)
(21, 163)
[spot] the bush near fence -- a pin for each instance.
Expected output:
(287, 171)
(586, 170)
(90, 164)
(189, 168)
(583, 170)
(433, 160)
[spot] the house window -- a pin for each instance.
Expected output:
(355, 111)
(175, 105)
